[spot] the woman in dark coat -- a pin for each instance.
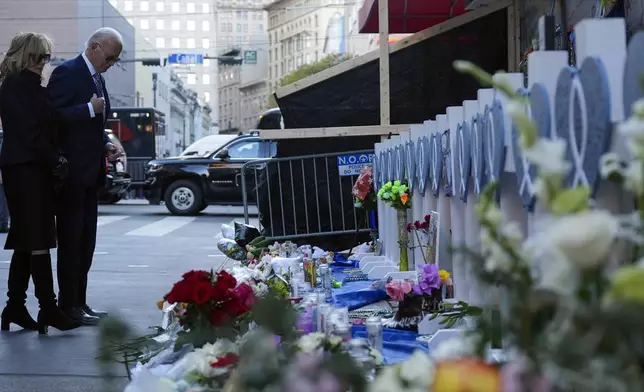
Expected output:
(31, 168)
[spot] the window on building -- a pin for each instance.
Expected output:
(223, 27)
(191, 79)
(160, 24)
(245, 15)
(176, 25)
(308, 58)
(176, 6)
(230, 27)
(145, 24)
(206, 78)
(205, 8)
(190, 8)
(128, 5)
(206, 97)
(205, 43)
(239, 14)
(239, 27)
(176, 42)
(238, 40)
(260, 27)
(159, 6)
(160, 42)
(205, 25)
(190, 25)
(190, 43)
(145, 6)
(245, 28)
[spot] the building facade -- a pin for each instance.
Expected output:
(69, 24)
(302, 32)
(173, 26)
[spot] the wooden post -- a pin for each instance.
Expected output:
(383, 22)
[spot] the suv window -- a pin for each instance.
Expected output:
(245, 150)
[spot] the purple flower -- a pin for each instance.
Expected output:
(429, 281)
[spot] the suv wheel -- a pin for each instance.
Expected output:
(184, 197)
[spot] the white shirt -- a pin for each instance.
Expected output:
(92, 72)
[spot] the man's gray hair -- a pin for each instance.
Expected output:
(103, 34)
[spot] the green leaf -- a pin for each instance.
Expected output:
(571, 200)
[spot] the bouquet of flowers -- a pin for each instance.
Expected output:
(395, 194)
(213, 302)
(365, 196)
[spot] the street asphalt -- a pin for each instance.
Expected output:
(141, 251)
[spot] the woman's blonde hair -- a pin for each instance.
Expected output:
(26, 50)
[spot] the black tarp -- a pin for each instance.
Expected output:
(423, 84)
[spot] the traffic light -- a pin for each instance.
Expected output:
(152, 62)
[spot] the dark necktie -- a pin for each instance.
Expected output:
(98, 81)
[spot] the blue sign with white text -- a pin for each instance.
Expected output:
(185, 58)
(351, 165)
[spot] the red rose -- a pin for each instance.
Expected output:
(246, 295)
(219, 317)
(202, 292)
(226, 280)
(424, 225)
(182, 291)
(417, 225)
(427, 218)
(196, 275)
(226, 360)
(409, 227)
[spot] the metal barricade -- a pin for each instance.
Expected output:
(136, 168)
(302, 196)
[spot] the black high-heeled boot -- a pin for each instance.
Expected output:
(16, 312)
(50, 315)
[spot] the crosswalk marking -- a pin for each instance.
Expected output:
(162, 227)
(107, 219)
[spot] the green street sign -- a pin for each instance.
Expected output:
(250, 56)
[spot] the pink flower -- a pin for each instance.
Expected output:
(397, 289)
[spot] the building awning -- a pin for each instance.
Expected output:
(422, 79)
(409, 16)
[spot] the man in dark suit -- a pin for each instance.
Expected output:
(77, 90)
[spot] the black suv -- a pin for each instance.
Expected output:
(188, 184)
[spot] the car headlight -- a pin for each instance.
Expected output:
(120, 167)
(154, 167)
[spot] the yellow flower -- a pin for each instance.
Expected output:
(160, 304)
(444, 275)
(628, 284)
(466, 375)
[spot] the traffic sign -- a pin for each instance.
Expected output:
(250, 56)
(185, 58)
(351, 165)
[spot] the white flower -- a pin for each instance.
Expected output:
(634, 177)
(311, 342)
(633, 130)
(549, 156)
(453, 349)
(387, 381)
(496, 259)
(418, 370)
(638, 108)
(585, 239)
(551, 270)
(199, 360)
(609, 165)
